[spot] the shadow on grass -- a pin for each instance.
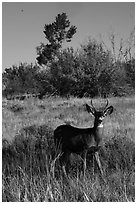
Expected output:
(119, 153)
(30, 150)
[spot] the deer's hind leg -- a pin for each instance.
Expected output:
(83, 156)
(65, 161)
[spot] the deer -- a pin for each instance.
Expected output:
(72, 139)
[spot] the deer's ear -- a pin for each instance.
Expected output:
(108, 111)
(90, 109)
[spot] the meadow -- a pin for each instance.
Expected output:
(31, 170)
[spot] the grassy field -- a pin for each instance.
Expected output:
(31, 170)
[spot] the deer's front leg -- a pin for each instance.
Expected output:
(98, 162)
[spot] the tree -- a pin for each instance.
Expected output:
(56, 33)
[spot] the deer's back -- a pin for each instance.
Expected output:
(74, 139)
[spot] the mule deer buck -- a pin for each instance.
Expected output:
(80, 140)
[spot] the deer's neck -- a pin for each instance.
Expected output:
(98, 129)
(98, 124)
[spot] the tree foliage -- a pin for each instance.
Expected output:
(56, 33)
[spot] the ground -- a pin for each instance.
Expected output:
(29, 156)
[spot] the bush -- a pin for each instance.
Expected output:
(89, 71)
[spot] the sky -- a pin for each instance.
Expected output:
(23, 25)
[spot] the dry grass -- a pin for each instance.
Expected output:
(31, 170)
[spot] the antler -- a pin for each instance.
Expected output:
(106, 105)
(92, 105)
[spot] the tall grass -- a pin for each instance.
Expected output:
(31, 169)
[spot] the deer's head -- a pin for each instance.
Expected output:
(99, 115)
